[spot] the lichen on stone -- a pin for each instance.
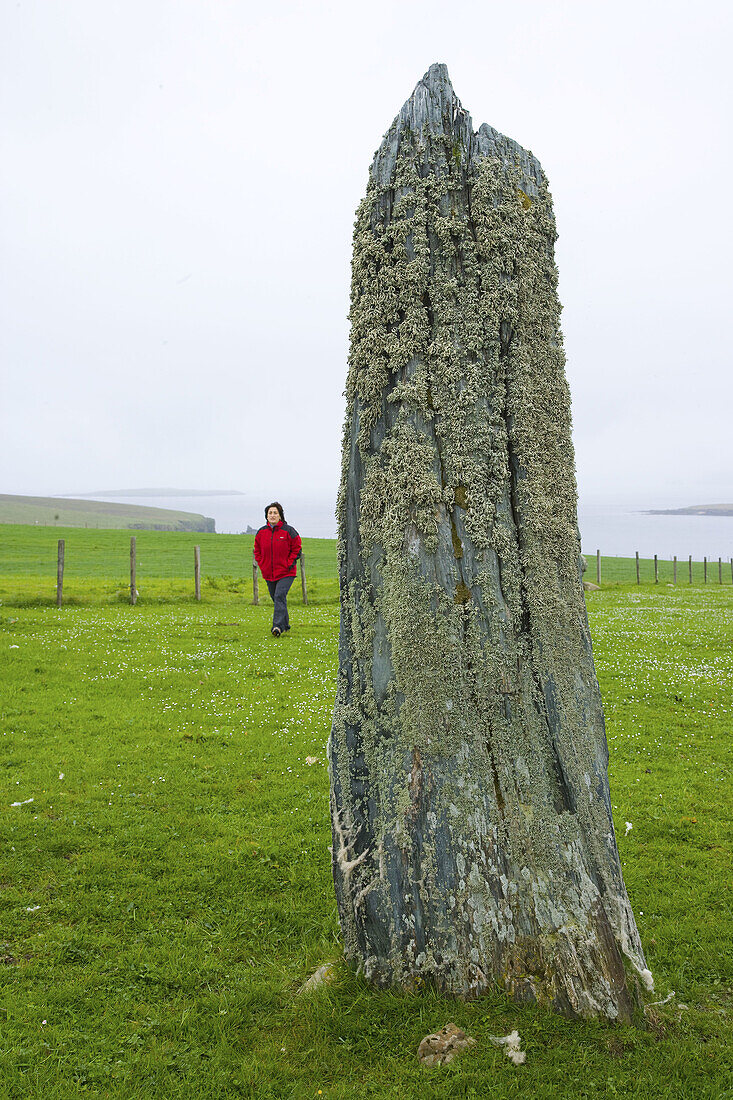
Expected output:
(473, 839)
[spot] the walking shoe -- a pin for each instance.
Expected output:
(276, 631)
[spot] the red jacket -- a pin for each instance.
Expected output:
(276, 549)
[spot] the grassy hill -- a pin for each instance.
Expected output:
(65, 512)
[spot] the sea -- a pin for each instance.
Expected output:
(617, 530)
(620, 531)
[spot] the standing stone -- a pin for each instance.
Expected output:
(472, 829)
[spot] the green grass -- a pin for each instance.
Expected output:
(161, 904)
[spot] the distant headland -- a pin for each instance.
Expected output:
(694, 510)
(161, 493)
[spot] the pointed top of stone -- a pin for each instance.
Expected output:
(438, 71)
(438, 80)
(433, 107)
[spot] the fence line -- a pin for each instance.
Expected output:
(61, 562)
(674, 563)
(133, 571)
(60, 572)
(61, 558)
(255, 584)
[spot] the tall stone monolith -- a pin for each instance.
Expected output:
(472, 834)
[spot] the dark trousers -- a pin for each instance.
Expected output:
(279, 593)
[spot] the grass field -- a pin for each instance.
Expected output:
(167, 890)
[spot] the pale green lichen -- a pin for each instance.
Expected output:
(467, 710)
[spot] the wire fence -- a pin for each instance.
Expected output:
(154, 565)
(656, 570)
(659, 570)
(134, 593)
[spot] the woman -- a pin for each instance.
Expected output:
(277, 547)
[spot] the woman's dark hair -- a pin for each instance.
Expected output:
(275, 504)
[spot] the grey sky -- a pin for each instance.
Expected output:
(178, 188)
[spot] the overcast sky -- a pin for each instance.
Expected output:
(177, 192)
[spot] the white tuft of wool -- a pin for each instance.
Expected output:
(511, 1043)
(666, 1001)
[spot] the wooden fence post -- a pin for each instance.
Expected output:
(197, 571)
(705, 570)
(598, 568)
(720, 570)
(60, 573)
(133, 571)
(656, 570)
(675, 569)
(302, 577)
(255, 583)
(638, 577)
(689, 560)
